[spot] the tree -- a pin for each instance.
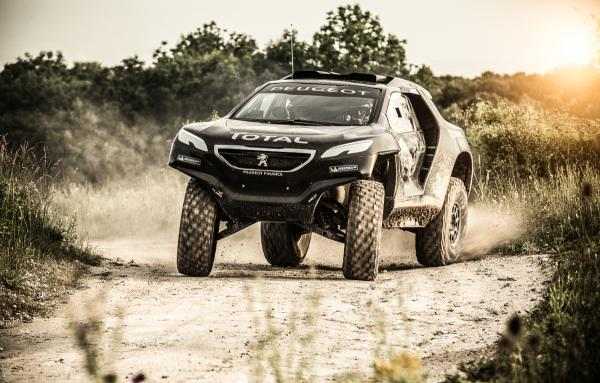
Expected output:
(424, 76)
(208, 39)
(279, 53)
(354, 40)
(31, 89)
(129, 88)
(36, 83)
(208, 70)
(95, 78)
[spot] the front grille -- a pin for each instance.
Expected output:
(258, 159)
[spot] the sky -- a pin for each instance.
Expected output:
(459, 37)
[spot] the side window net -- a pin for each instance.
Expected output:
(399, 114)
(412, 115)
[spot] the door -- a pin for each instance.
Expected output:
(405, 128)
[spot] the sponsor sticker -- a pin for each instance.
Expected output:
(328, 90)
(268, 138)
(189, 160)
(272, 173)
(343, 168)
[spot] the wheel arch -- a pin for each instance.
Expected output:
(463, 169)
(385, 171)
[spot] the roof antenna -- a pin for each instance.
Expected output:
(292, 46)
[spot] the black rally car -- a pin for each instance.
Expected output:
(340, 155)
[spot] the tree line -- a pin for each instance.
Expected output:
(211, 69)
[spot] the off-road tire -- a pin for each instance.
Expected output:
(284, 244)
(434, 246)
(363, 231)
(197, 232)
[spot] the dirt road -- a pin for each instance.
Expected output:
(180, 329)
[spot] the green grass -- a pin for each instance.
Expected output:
(556, 211)
(546, 167)
(522, 142)
(39, 252)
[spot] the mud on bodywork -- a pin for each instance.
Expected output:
(439, 176)
(418, 216)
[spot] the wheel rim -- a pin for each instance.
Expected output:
(455, 224)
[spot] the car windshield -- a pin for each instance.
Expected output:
(311, 104)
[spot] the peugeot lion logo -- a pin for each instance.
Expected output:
(262, 160)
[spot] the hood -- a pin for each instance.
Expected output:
(279, 135)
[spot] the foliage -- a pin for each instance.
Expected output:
(535, 162)
(278, 54)
(90, 333)
(142, 204)
(50, 105)
(402, 368)
(555, 183)
(37, 249)
(524, 141)
(30, 89)
(572, 90)
(353, 40)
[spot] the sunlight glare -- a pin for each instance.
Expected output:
(577, 47)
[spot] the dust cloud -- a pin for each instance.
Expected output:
(149, 205)
(141, 206)
(490, 227)
(116, 183)
(134, 194)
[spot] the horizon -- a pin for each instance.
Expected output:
(489, 36)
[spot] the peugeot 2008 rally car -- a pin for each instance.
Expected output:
(343, 156)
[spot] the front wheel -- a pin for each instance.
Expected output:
(284, 244)
(363, 231)
(197, 232)
(440, 242)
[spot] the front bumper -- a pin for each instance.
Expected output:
(291, 196)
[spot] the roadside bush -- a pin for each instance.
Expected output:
(520, 142)
(535, 163)
(39, 253)
(555, 184)
(556, 211)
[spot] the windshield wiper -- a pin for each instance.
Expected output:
(311, 122)
(300, 121)
(296, 121)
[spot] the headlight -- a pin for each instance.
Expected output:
(350, 148)
(188, 138)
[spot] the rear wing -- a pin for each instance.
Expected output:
(321, 75)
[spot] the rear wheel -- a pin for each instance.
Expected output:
(284, 244)
(197, 232)
(440, 242)
(363, 231)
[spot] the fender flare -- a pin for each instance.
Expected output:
(463, 169)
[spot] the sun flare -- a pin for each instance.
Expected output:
(576, 46)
